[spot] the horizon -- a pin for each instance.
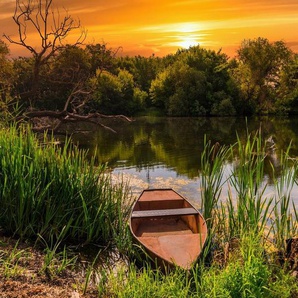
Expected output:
(160, 28)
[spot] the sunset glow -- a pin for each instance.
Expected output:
(143, 27)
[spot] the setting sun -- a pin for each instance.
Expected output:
(188, 42)
(187, 35)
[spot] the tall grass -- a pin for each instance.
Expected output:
(212, 176)
(250, 209)
(212, 172)
(248, 275)
(246, 207)
(55, 193)
(284, 220)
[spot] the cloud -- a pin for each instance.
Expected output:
(154, 24)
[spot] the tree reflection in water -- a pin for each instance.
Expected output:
(165, 152)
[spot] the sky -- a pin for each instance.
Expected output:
(161, 27)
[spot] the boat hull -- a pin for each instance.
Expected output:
(170, 229)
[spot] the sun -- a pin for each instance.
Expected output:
(187, 42)
(188, 34)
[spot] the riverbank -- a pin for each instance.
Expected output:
(241, 263)
(23, 274)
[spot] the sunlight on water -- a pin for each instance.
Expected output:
(159, 177)
(163, 177)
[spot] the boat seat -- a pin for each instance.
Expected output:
(164, 212)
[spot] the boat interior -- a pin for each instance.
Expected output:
(169, 226)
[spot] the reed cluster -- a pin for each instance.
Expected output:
(247, 207)
(52, 193)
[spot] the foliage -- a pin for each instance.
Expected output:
(287, 100)
(193, 84)
(101, 58)
(117, 94)
(68, 71)
(260, 66)
(6, 74)
(9, 108)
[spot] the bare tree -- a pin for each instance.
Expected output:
(52, 29)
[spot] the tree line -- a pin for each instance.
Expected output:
(262, 79)
(77, 80)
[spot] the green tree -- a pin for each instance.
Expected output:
(194, 84)
(6, 74)
(116, 94)
(288, 87)
(179, 90)
(144, 71)
(8, 96)
(102, 58)
(259, 71)
(69, 70)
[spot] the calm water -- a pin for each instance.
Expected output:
(165, 152)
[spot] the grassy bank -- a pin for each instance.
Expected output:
(53, 202)
(53, 194)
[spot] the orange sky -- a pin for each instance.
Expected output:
(162, 26)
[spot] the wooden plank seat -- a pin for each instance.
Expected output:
(162, 199)
(164, 212)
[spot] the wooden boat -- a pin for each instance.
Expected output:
(168, 226)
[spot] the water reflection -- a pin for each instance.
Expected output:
(165, 152)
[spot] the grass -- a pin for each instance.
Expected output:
(52, 196)
(52, 193)
(246, 275)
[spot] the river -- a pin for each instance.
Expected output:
(152, 152)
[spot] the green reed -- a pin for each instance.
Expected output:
(52, 191)
(247, 274)
(249, 209)
(212, 160)
(284, 219)
(212, 178)
(246, 206)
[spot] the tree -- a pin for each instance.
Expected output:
(258, 74)
(69, 70)
(180, 90)
(115, 94)
(7, 79)
(6, 73)
(52, 30)
(288, 87)
(53, 61)
(101, 58)
(194, 83)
